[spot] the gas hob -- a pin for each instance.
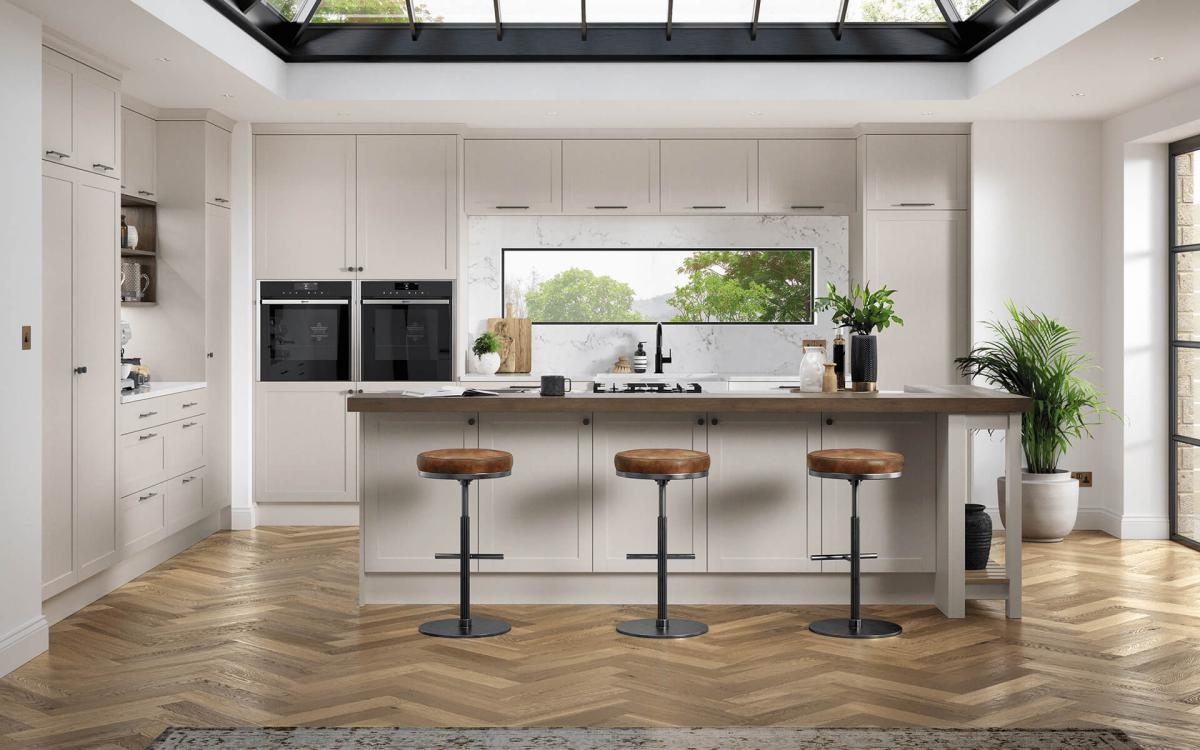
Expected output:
(650, 388)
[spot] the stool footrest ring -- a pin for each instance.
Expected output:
(845, 556)
(472, 556)
(654, 556)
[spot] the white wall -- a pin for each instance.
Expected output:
(1036, 239)
(23, 632)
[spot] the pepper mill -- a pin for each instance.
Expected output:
(839, 360)
(829, 379)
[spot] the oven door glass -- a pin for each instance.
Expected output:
(305, 342)
(405, 341)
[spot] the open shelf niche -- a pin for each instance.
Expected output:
(141, 261)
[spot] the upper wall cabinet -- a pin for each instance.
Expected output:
(610, 176)
(216, 165)
(710, 176)
(917, 172)
(304, 195)
(407, 206)
(513, 177)
(139, 143)
(81, 114)
(807, 177)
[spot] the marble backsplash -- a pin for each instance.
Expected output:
(580, 350)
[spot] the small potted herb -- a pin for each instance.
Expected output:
(487, 353)
(862, 311)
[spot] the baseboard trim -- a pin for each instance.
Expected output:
(61, 606)
(306, 514)
(242, 519)
(1145, 527)
(24, 643)
(1103, 519)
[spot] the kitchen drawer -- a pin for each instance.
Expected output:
(184, 504)
(142, 459)
(151, 412)
(141, 520)
(185, 445)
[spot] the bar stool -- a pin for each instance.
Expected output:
(465, 465)
(662, 465)
(855, 465)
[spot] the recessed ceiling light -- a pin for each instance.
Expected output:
(927, 114)
(756, 114)
(343, 114)
(227, 95)
(1078, 94)
(552, 113)
(1157, 58)
(163, 59)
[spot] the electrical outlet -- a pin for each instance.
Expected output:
(1084, 477)
(26, 338)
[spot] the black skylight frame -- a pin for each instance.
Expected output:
(954, 40)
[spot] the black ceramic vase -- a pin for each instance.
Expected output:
(863, 362)
(979, 536)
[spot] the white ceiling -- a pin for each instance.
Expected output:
(1100, 73)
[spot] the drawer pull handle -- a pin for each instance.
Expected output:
(148, 435)
(147, 496)
(221, 200)
(610, 207)
(103, 167)
(188, 480)
(190, 404)
(915, 205)
(513, 208)
(145, 192)
(147, 415)
(708, 207)
(189, 424)
(57, 154)
(808, 208)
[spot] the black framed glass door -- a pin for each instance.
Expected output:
(1185, 342)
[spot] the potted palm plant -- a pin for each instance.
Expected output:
(862, 311)
(487, 353)
(1033, 355)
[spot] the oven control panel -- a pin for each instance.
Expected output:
(407, 290)
(286, 290)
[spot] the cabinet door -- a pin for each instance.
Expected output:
(709, 176)
(917, 171)
(626, 510)
(143, 518)
(58, 508)
(764, 512)
(97, 122)
(924, 255)
(139, 135)
(217, 374)
(610, 177)
(407, 519)
(899, 516)
(807, 177)
(185, 444)
(513, 177)
(304, 206)
(216, 165)
(184, 503)
(58, 108)
(540, 518)
(305, 444)
(142, 458)
(96, 347)
(407, 206)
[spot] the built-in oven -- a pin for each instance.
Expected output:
(407, 331)
(304, 330)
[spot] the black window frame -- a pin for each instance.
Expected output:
(1178, 148)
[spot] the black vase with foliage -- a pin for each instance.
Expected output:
(979, 537)
(862, 311)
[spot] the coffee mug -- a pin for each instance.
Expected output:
(555, 385)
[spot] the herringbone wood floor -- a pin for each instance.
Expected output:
(261, 628)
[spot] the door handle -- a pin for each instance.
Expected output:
(57, 154)
(703, 207)
(808, 208)
(513, 208)
(190, 404)
(189, 480)
(915, 205)
(103, 167)
(147, 496)
(145, 192)
(220, 200)
(189, 424)
(81, 370)
(148, 435)
(147, 415)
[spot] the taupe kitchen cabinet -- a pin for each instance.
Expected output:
(304, 204)
(816, 177)
(899, 516)
(305, 444)
(217, 375)
(709, 176)
(625, 510)
(139, 139)
(513, 176)
(408, 519)
(540, 518)
(81, 115)
(924, 256)
(761, 520)
(914, 172)
(610, 176)
(80, 361)
(407, 208)
(216, 165)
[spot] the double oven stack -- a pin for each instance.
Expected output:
(356, 331)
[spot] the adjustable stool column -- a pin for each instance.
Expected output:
(662, 465)
(855, 466)
(465, 465)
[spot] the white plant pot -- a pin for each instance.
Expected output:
(1049, 505)
(487, 364)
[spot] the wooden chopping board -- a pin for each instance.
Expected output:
(516, 341)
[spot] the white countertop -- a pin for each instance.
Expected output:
(156, 388)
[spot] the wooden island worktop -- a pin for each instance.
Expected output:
(565, 522)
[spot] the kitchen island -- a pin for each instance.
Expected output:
(565, 521)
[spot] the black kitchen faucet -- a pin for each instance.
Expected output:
(659, 359)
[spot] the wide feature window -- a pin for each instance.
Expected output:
(701, 285)
(1185, 343)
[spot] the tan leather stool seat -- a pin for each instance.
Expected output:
(464, 461)
(661, 461)
(861, 462)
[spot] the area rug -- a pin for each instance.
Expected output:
(735, 738)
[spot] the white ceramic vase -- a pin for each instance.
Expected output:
(487, 364)
(1049, 505)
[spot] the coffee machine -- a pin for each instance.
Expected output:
(133, 375)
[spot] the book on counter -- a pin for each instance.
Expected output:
(444, 391)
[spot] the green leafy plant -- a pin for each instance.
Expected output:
(487, 343)
(863, 310)
(1033, 355)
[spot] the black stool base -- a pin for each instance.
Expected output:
(476, 627)
(843, 628)
(649, 628)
